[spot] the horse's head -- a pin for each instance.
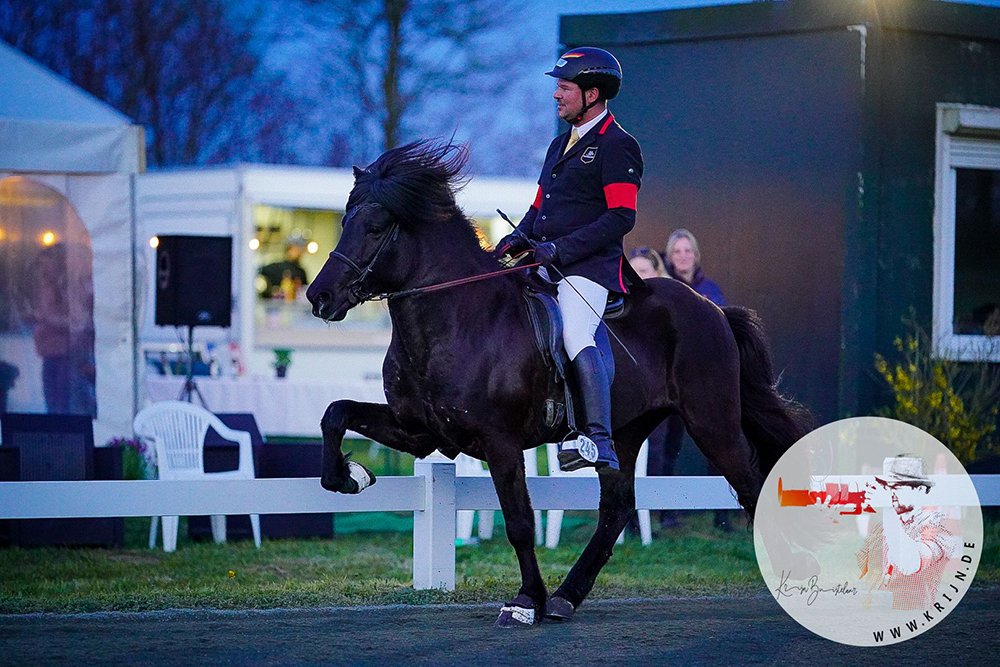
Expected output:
(386, 224)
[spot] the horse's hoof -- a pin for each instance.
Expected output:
(559, 609)
(518, 613)
(357, 480)
(515, 617)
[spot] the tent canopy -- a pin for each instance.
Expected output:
(67, 163)
(49, 125)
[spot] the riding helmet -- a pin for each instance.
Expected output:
(590, 67)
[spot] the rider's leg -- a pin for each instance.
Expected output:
(581, 303)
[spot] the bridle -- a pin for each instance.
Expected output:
(356, 288)
(360, 294)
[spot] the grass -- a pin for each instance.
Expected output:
(373, 568)
(360, 568)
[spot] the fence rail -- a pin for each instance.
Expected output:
(433, 494)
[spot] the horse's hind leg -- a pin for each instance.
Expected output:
(616, 507)
(372, 420)
(719, 437)
(507, 471)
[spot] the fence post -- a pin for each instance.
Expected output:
(434, 527)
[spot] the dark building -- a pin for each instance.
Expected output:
(823, 154)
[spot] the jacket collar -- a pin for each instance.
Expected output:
(588, 139)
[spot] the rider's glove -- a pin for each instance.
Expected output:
(546, 254)
(512, 244)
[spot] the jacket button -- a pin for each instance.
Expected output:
(547, 196)
(544, 238)
(553, 175)
(543, 217)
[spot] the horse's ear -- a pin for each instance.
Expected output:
(358, 171)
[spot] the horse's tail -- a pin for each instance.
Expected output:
(771, 422)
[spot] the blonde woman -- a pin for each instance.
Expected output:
(683, 259)
(647, 263)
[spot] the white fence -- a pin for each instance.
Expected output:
(433, 494)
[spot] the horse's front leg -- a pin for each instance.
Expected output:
(507, 471)
(372, 420)
(616, 507)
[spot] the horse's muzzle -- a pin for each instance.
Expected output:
(321, 303)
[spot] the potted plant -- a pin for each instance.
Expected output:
(136, 458)
(282, 360)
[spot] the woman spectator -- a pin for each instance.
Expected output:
(647, 263)
(683, 262)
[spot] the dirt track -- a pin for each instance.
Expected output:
(686, 631)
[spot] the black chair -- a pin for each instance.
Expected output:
(43, 447)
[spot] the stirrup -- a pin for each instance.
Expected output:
(576, 453)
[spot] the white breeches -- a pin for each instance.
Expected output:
(580, 321)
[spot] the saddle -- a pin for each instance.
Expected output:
(547, 326)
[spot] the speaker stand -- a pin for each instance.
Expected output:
(190, 389)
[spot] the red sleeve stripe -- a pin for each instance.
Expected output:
(538, 198)
(621, 195)
(606, 123)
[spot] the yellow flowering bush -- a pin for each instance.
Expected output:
(956, 402)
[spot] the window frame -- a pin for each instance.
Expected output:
(967, 137)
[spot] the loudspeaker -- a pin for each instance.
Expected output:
(194, 281)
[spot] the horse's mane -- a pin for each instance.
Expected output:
(414, 182)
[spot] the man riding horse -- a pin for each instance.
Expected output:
(585, 205)
(463, 373)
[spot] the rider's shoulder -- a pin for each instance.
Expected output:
(616, 133)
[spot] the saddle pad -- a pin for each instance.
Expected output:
(546, 322)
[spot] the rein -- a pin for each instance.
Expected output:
(453, 283)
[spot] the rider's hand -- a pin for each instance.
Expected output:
(546, 254)
(512, 244)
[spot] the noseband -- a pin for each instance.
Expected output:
(356, 288)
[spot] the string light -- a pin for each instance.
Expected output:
(313, 247)
(254, 243)
(154, 242)
(48, 238)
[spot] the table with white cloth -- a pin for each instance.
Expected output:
(281, 406)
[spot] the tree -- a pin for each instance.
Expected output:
(404, 63)
(186, 71)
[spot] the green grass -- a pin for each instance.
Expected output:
(373, 568)
(359, 568)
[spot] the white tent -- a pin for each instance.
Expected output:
(67, 163)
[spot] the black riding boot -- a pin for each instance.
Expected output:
(594, 391)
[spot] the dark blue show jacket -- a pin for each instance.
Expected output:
(586, 202)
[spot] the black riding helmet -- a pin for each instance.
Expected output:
(590, 67)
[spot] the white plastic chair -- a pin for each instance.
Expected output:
(553, 526)
(177, 431)
(467, 466)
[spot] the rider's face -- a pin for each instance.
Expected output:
(568, 99)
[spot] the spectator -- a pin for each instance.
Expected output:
(285, 278)
(647, 263)
(683, 262)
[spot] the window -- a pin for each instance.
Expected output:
(967, 233)
(289, 247)
(46, 303)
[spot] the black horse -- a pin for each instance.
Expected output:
(462, 373)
